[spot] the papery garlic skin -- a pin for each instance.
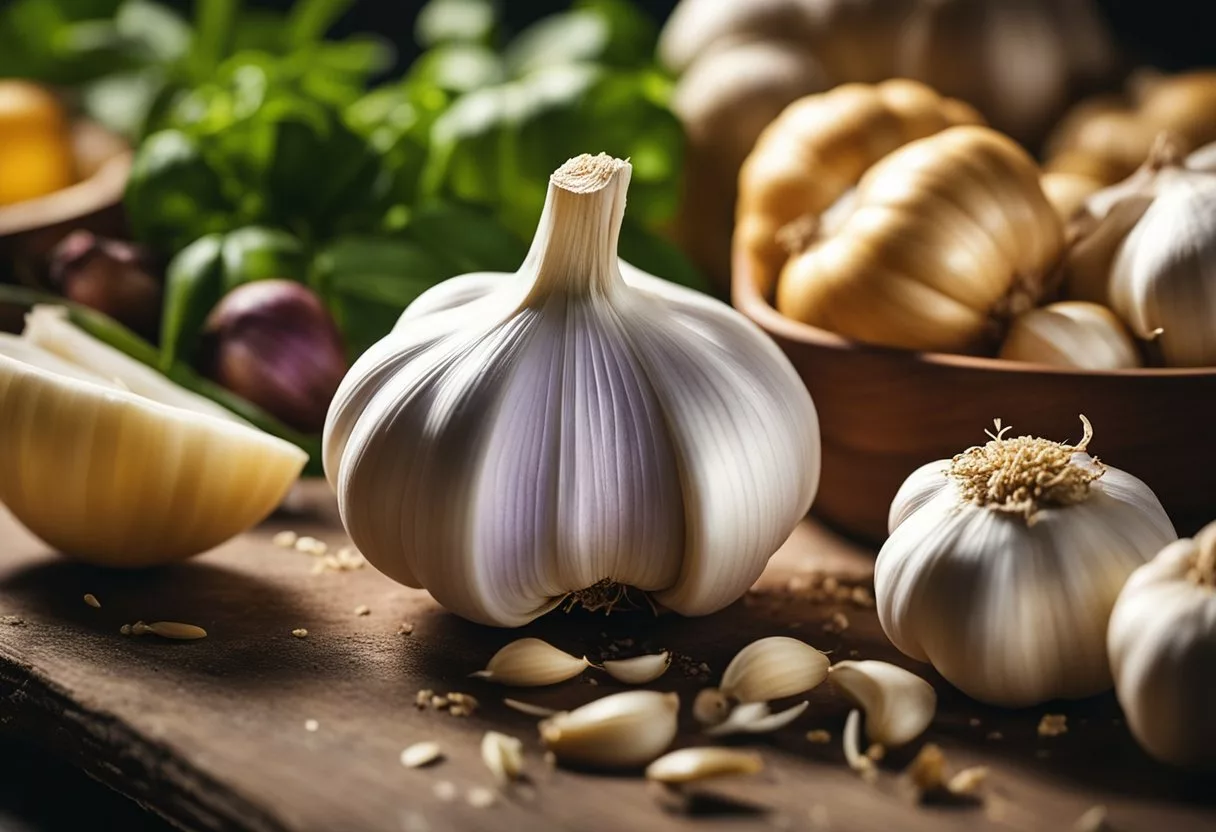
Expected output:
(1162, 644)
(521, 438)
(1073, 334)
(1011, 609)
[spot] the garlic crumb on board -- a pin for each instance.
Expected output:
(421, 754)
(285, 539)
(12, 620)
(363, 609)
(446, 791)
(311, 725)
(405, 628)
(91, 600)
(927, 776)
(479, 797)
(1053, 725)
(300, 632)
(819, 736)
(838, 623)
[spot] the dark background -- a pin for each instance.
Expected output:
(39, 795)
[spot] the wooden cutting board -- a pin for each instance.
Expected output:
(214, 734)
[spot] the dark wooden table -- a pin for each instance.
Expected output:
(212, 734)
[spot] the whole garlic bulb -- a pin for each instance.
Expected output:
(1004, 563)
(819, 148)
(1162, 643)
(1074, 334)
(942, 238)
(572, 429)
(1147, 248)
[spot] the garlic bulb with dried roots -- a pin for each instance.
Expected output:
(942, 240)
(1162, 644)
(570, 430)
(110, 462)
(1074, 334)
(815, 151)
(1147, 248)
(1004, 563)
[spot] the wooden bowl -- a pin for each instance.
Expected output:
(31, 228)
(885, 412)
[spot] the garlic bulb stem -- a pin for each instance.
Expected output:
(574, 250)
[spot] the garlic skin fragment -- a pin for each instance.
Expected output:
(531, 662)
(638, 670)
(755, 718)
(520, 439)
(623, 730)
(689, 765)
(1073, 334)
(898, 704)
(1162, 645)
(111, 463)
(773, 668)
(1003, 565)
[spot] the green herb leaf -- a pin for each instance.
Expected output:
(309, 20)
(456, 21)
(256, 253)
(608, 32)
(194, 282)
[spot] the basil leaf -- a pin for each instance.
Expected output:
(193, 286)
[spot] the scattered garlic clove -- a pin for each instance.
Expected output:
(755, 718)
(530, 662)
(857, 761)
(640, 669)
(528, 708)
(899, 705)
(421, 754)
(619, 731)
(503, 756)
(773, 668)
(691, 764)
(1073, 334)
(710, 707)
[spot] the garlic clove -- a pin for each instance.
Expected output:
(619, 731)
(692, 764)
(755, 718)
(503, 756)
(710, 706)
(421, 754)
(638, 670)
(773, 668)
(108, 461)
(853, 755)
(1077, 334)
(531, 662)
(898, 704)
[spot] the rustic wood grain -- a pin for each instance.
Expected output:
(211, 734)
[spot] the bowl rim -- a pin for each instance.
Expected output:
(746, 297)
(103, 188)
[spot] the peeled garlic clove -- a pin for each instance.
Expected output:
(755, 718)
(421, 754)
(710, 707)
(177, 630)
(619, 731)
(899, 705)
(691, 764)
(503, 756)
(530, 662)
(110, 462)
(1075, 334)
(640, 669)
(773, 668)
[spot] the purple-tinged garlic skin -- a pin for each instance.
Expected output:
(112, 276)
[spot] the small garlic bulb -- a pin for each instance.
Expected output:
(1162, 643)
(1147, 248)
(1004, 562)
(572, 429)
(1075, 334)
